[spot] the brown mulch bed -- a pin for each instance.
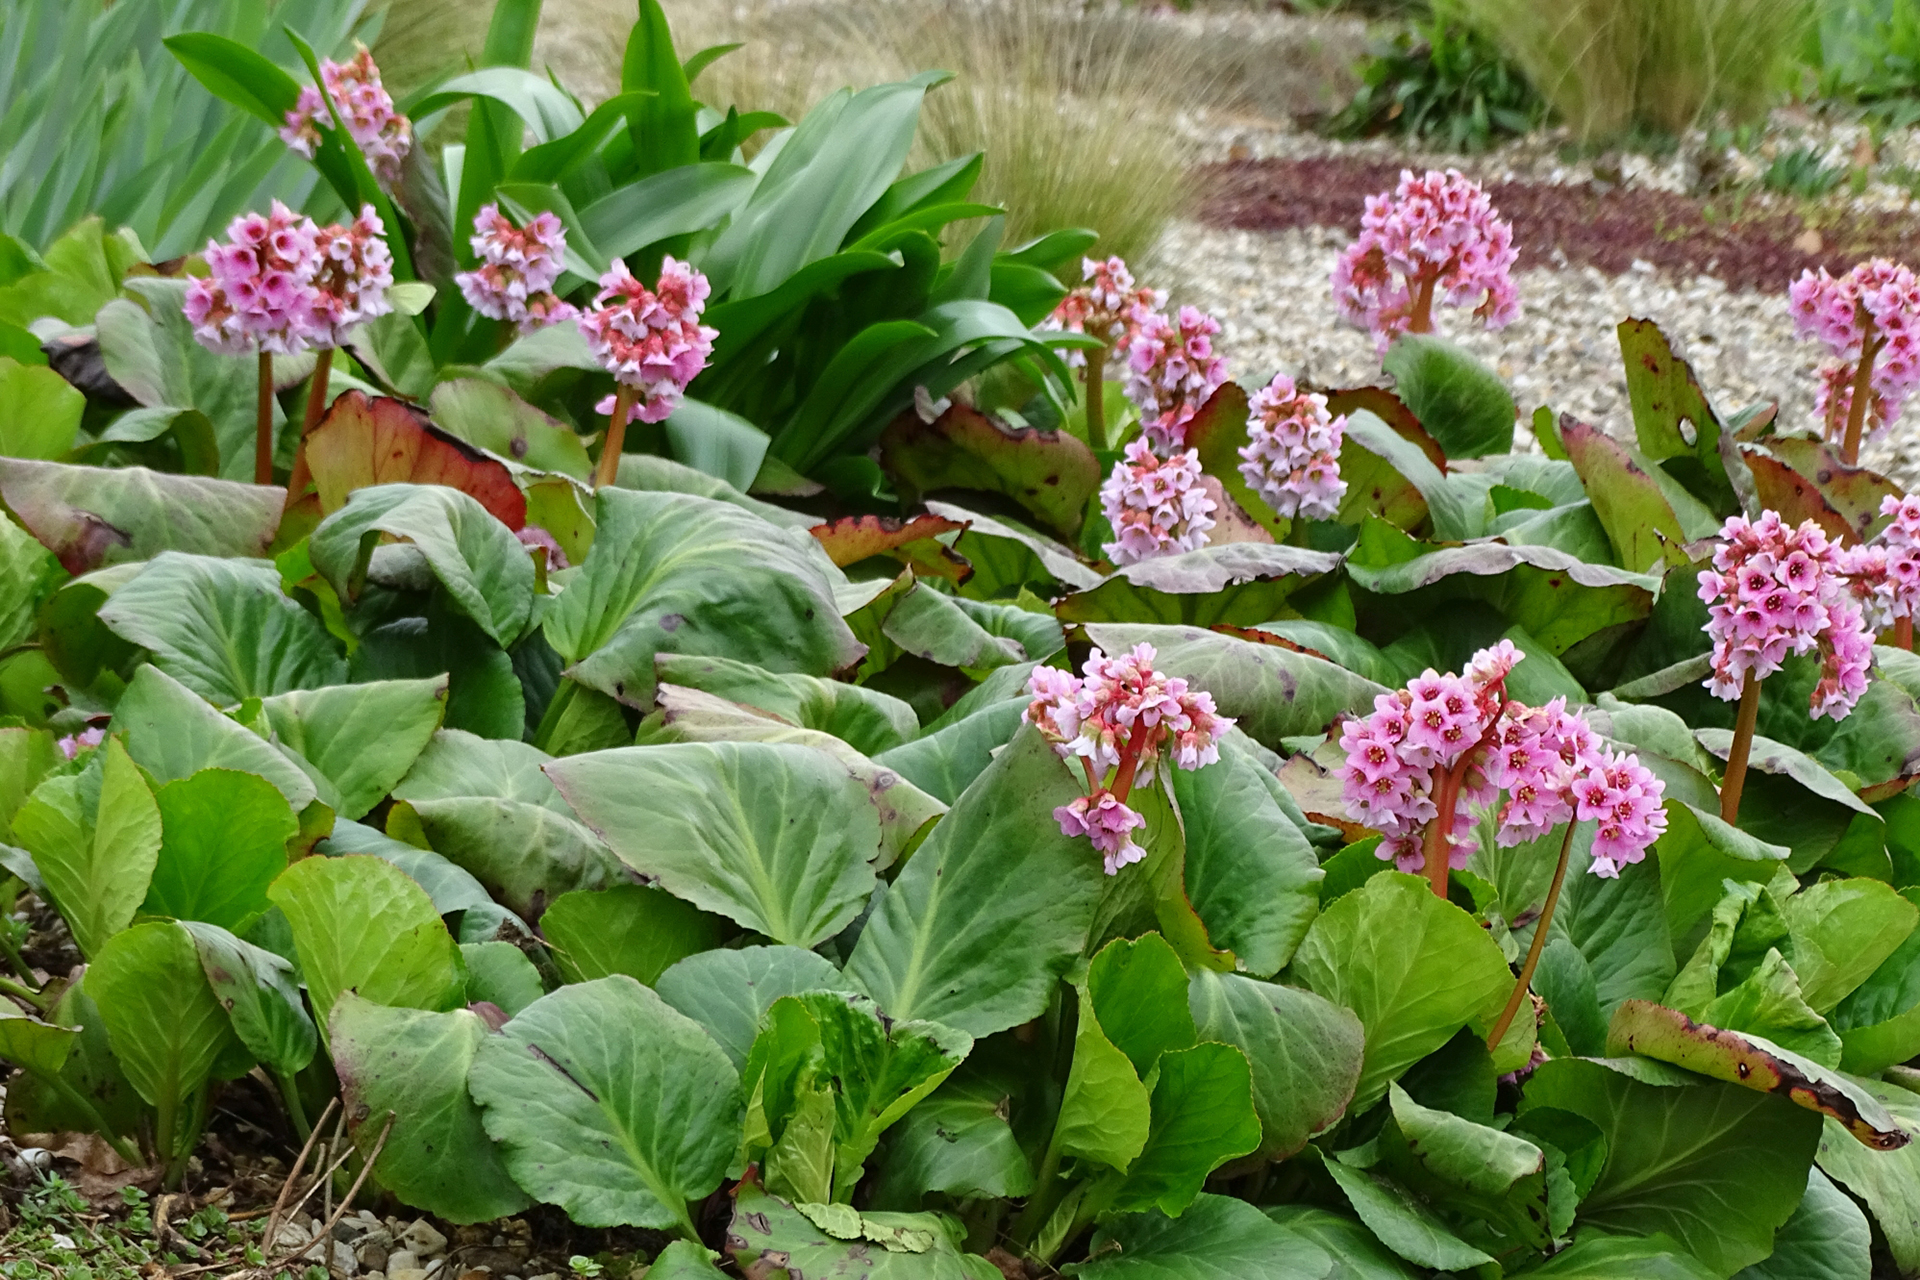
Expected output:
(1748, 243)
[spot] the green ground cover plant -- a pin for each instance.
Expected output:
(580, 667)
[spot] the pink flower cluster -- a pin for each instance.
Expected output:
(1775, 590)
(1157, 506)
(383, 135)
(1435, 235)
(1445, 739)
(517, 270)
(1872, 313)
(1884, 575)
(1171, 370)
(1117, 721)
(1292, 456)
(1108, 306)
(281, 284)
(651, 340)
(75, 744)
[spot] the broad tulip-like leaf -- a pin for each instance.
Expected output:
(867, 720)
(223, 840)
(167, 1027)
(1852, 494)
(412, 1064)
(1402, 1221)
(173, 733)
(1272, 693)
(1827, 1238)
(1460, 402)
(1306, 1053)
(911, 617)
(362, 443)
(362, 925)
(1672, 417)
(1050, 473)
(93, 516)
(1359, 1251)
(499, 973)
(1414, 968)
(451, 886)
(1697, 853)
(1132, 1011)
(1889, 1181)
(728, 992)
(915, 543)
(779, 838)
(1603, 1257)
(1217, 1238)
(1879, 1024)
(648, 473)
(945, 761)
(39, 411)
(1234, 583)
(833, 1240)
(1005, 556)
(261, 995)
(1380, 465)
(1842, 931)
(224, 628)
(679, 574)
(1778, 487)
(638, 930)
(1498, 1178)
(28, 574)
(488, 416)
(95, 837)
(958, 1141)
(991, 909)
(35, 1046)
(357, 741)
(1718, 1167)
(610, 1104)
(480, 564)
(1202, 1117)
(1769, 1003)
(1626, 496)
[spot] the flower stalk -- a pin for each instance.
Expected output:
(609, 465)
(1870, 345)
(263, 426)
(1096, 395)
(1539, 944)
(317, 390)
(1735, 780)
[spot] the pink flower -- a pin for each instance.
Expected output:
(517, 270)
(1171, 371)
(1623, 797)
(74, 744)
(355, 271)
(1292, 458)
(383, 135)
(1868, 314)
(258, 295)
(650, 340)
(532, 536)
(1884, 575)
(1107, 307)
(1118, 720)
(1775, 590)
(1435, 236)
(1157, 506)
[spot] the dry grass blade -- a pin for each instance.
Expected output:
(325, 1230)
(293, 1176)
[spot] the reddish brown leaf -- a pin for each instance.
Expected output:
(1781, 488)
(1050, 473)
(364, 442)
(1318, 794)
(1390, 409)
(852, 539)
(1854, 493)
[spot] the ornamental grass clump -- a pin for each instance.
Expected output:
(1775, 589)
(1867, 318)
(1118, 720)
(651, 341)
(1436, 237)
(517, 271)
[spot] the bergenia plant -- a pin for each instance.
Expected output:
(1775, 590)
(1884, 574)
(1867, 320)
(1110, 307)
(1448, 739)
(383, 135)
(1292, 458)
(350, 283)
(1157, 506)
(1433, 238)
(1117, 721)
(1171, 371)
(651, 341)
(517, 271)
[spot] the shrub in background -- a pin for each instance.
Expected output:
(1440, 81)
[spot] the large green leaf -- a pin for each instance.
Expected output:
(779, 838)
(680, 574)
(1718, 1167)
(173, 733)
(1879, 1023)
(1414, 967)
(412, 1064)
(1217, 1238)
(1306, 1053)
(728, 992)
(39, 411)
(261, 996)
(36, 1104)
(357, 740)
(90, 516)
(956, 1140)
(1050, 473)
(95, 837)
(1498, 1180)
(1130, 1013)
(992, 909)
(638, 930)
(224, 629)
(1889, 1181)
(478, 561)
(1271, 692)
(1842, 931)
(362, 925)
(28, 573)
(1231, 583)
(945, 761)
(490, 416)
(167, 1027)
(1461, 403)
(223, 840)
(1626, 497)
(1202, 1117)
(1359, 1253)
(1673, 421)
(1602, 1257)
(610, 1104)
(867, 720)
(1827, 1238)
(1403, 1222)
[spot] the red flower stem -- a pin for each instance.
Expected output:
(1435, 847)
(1539, 943)
(263, 427)
(1736, 775)
(1420, 316)
(317, 391)
(1870, 344)
(609, 465)
(1903, 633)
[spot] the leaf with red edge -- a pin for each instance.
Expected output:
(1673, 421)
(1390, 409)
(1626, 497)
(1050, 473)
(94, 516)
(914, 542)
(1781, 488)
(364, 442)
(1854, 493)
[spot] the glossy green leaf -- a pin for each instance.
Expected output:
(1602, 1257)
(610, 1104)
(638, 930)
(490, 416)
(956, 1140)
(39, 411)
(1050, 473)
(359, 740)
(945, 761)
(1358, 1252)
(1217, 1238)
(1306, 1053)
(1842, 931)
(90, 516)
(499, 973)
(1626, 496)
(223, 840)
(173, 733)
(1232, 583)
(1461, 403)
(28, 574)
(728, 992)
(34, 1045)
(261, 995)
(1888, 1181)
(1827, 1238)
(1769, 1003)
(95, 837)
(1402, 1222)
(867, 720)
(1203, 1116)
